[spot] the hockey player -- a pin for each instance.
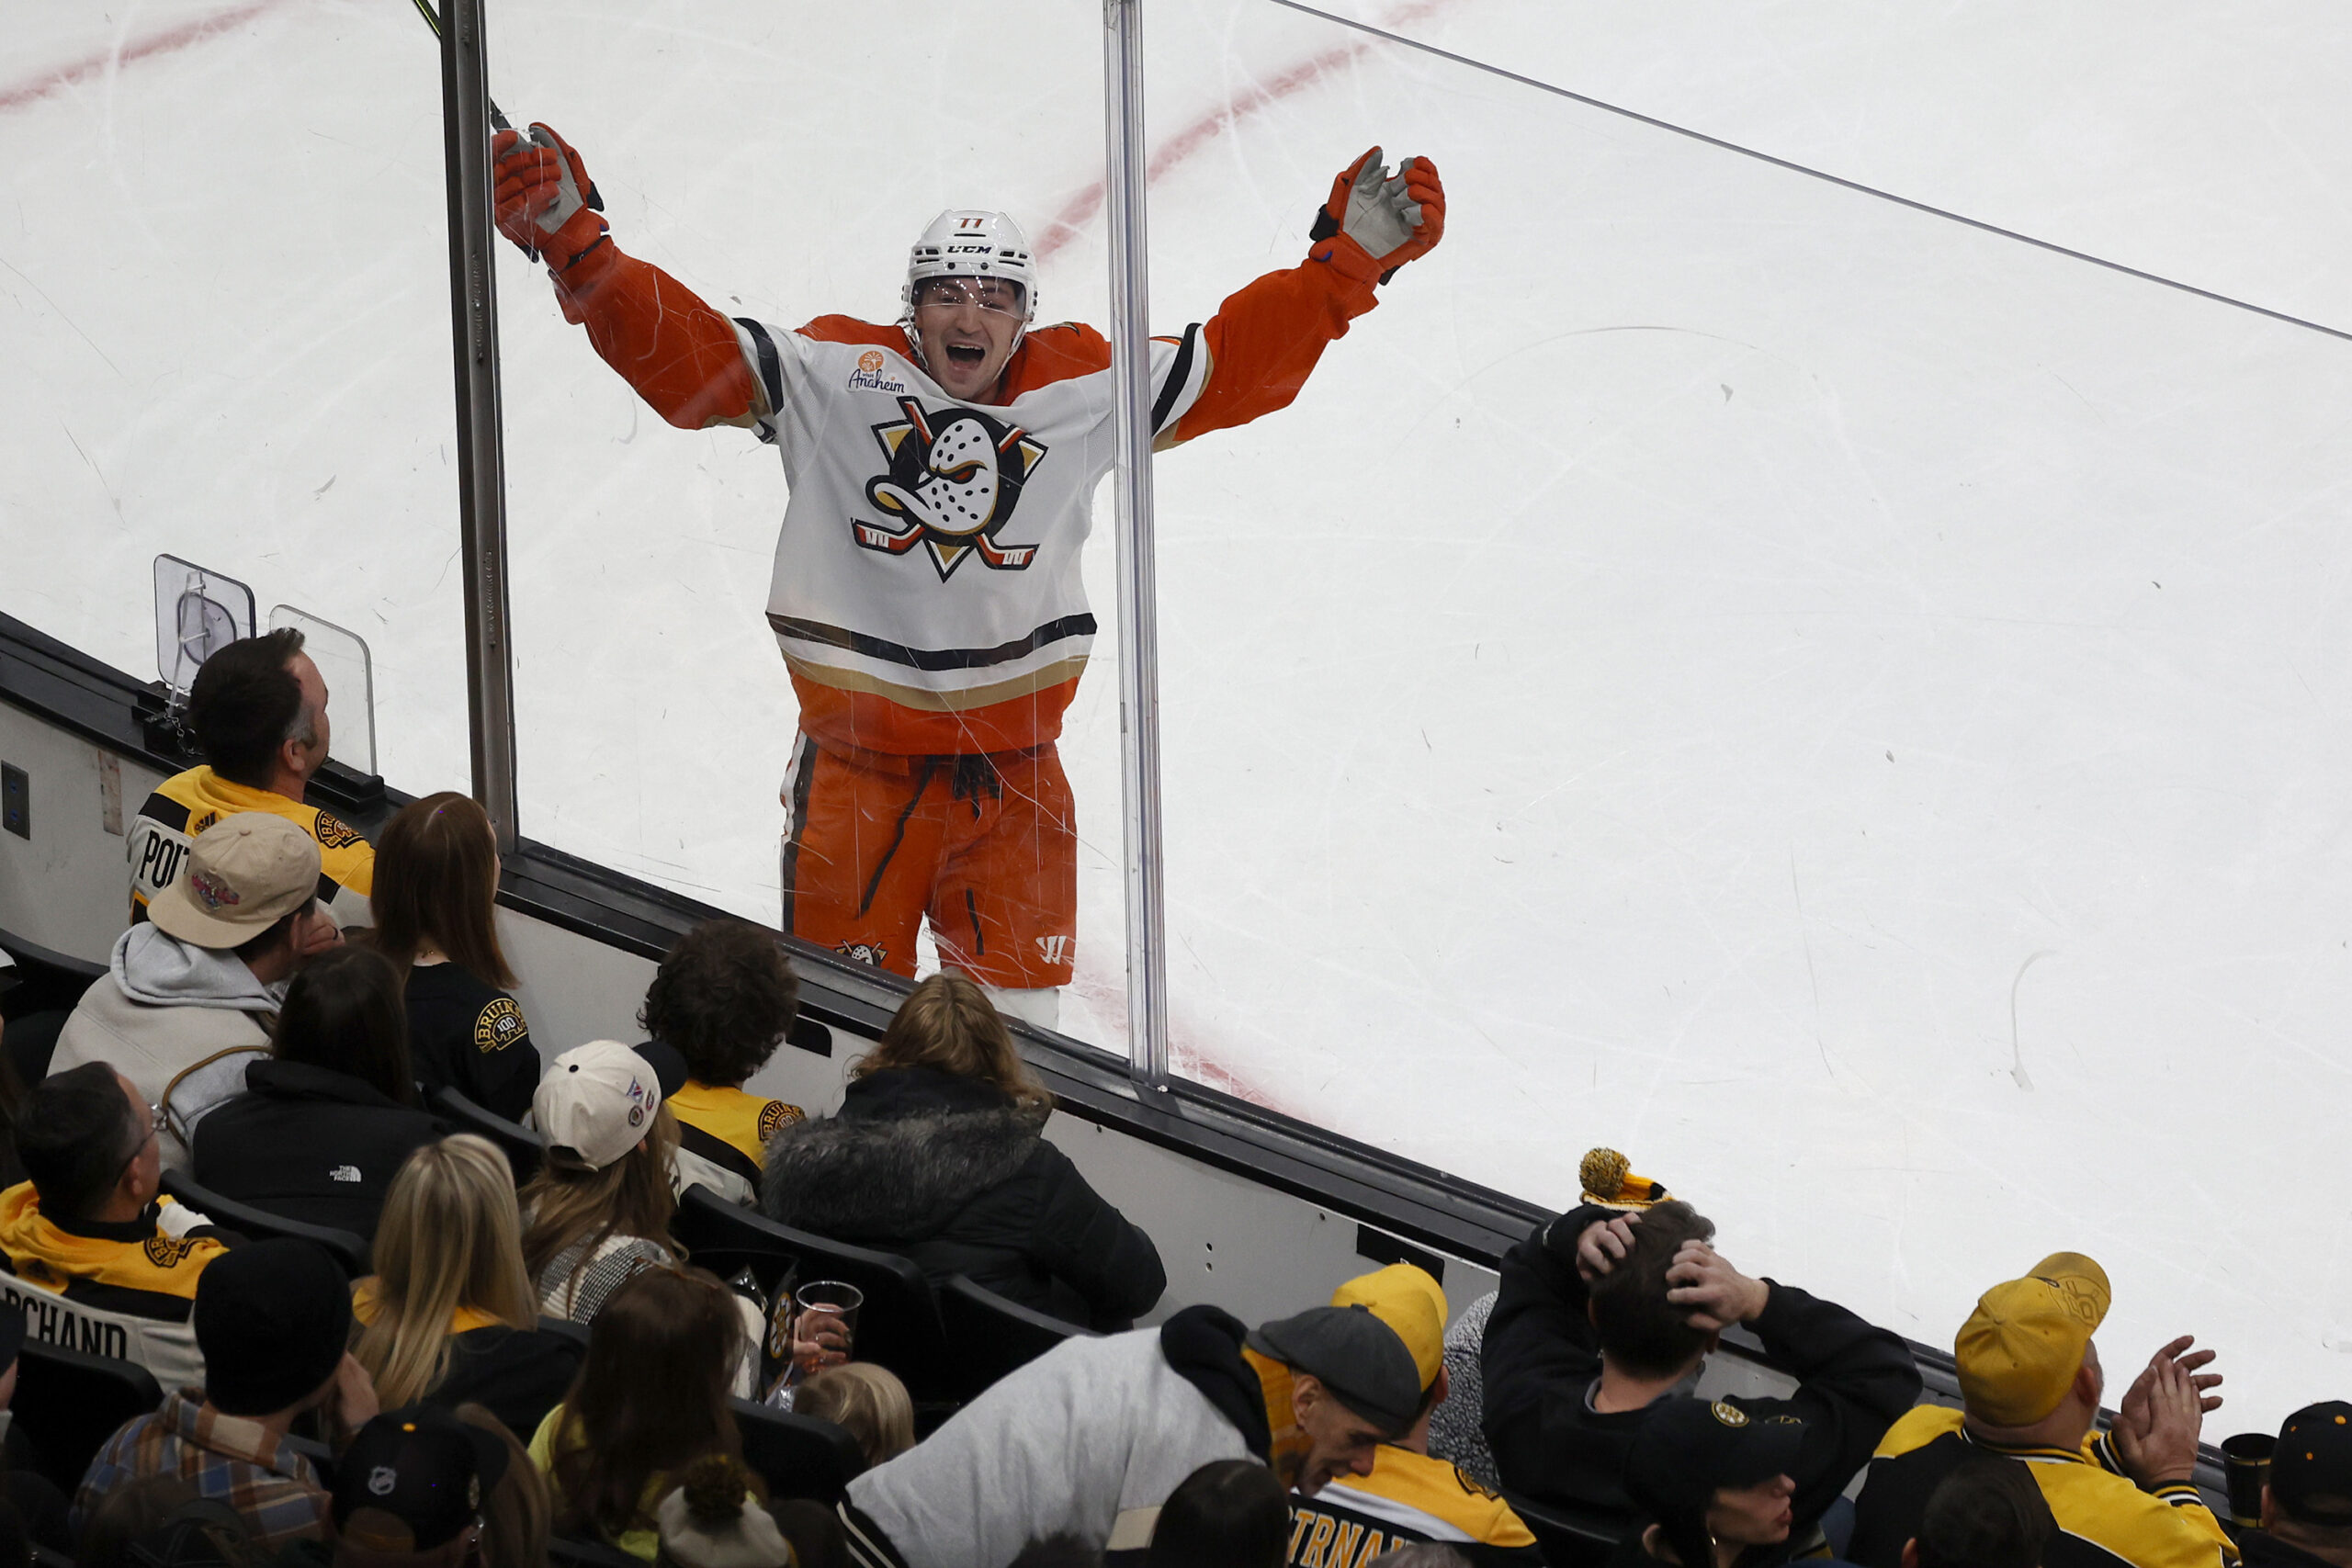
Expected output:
(926, 595)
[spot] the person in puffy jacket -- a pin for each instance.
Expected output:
(938, 1152)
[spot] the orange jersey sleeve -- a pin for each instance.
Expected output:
(682, 357)
(1264, 339)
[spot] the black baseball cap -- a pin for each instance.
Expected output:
(413, 1478)
(1353, 1354)
(2311, 1469)
(1687, 1449)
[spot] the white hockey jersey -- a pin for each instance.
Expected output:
(927, 595)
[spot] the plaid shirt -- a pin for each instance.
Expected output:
(224, 1456)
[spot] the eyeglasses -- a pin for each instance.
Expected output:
(955, 293)
(157, 1126)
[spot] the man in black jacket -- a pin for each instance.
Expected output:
(1603, 1312)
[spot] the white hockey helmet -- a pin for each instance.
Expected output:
(970, 244)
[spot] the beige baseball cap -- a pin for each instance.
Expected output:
(2021, 1347)
(244, 874)
(598, 1101)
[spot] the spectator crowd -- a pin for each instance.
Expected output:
(412, 1291)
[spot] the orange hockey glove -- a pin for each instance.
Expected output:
(543, 199)
(1376, 221)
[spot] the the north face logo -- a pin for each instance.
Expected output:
(345, 1173)
(954, 478)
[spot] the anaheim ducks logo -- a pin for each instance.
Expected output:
(331, 833)
(954, 477)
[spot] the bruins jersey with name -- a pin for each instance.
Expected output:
(184, 806)
(1407, 1497)
(721, 1133)
(123, 1291)
(2103, 1519)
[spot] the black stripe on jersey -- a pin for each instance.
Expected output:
(164, 809)
(931, 657)
(328, 889)
(718, 1150)
(771, 363)
(1179, 372)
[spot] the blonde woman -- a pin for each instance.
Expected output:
(938, 1152)
(448, 1315)
(867, 1401)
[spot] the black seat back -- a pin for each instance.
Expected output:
(1568, 1538)
(798, 1456)
(518, 1143)
(45, 980)
(988, 1336)
(562, 1554)
(68, 1402)
(899, 1324)
(350, 1250)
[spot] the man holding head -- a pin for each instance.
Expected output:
(259, 710)
(93, 1258)
(2030, 1381)
(272, 1318)
(1611, 1310)
(1406, 1495)
(189, 998)
(2307, 1503)
(1092, 1436)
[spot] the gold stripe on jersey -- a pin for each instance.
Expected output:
(2169, 1528)
(1412, 1496)
(835, 676)
(740, 1121)
(185, 804)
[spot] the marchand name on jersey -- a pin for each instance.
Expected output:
(56, 1323)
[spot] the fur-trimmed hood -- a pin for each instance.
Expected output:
(910, 1148)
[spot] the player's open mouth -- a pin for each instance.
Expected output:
(965, 352)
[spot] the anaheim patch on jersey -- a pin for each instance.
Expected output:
(954, 478)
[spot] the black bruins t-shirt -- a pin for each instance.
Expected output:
(466, 1034)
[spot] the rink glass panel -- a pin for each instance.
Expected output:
(1842, 707)
(230, 338)
(655, 716)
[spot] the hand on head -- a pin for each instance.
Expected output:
(1716, 1294)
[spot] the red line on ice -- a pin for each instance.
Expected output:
(170, 38)
(1080, 208)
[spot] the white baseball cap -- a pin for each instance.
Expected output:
(598, 1101)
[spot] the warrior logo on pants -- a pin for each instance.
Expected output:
(954, 478)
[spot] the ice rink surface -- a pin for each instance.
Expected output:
(1841, 704)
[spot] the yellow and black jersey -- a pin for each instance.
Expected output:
(123, 1291)
(184, 806)
(2103, 1519)
(729, 1129)
(1407, 1497)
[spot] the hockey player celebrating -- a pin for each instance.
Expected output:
(927, 595)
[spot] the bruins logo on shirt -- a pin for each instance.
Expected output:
(954, 477)
(775, 1113)
(499, 1025)
(165, 1251)
(333, 834)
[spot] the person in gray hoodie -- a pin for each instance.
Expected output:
(188, 999)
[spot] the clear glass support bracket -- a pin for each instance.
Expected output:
(482, 468)
(1122, 187)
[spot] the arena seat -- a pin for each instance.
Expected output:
(45, 986)
(898, 1326)
(562, 1554)
(988, 1336)
(520, 1145)
(350, 1250)
(798, 1456)
(1566, 1539)
(69, 1402)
